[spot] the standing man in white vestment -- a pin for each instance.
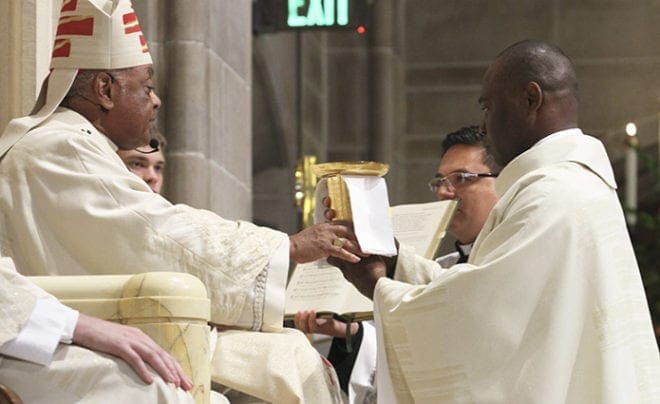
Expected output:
(550, 306)
(50, 353)
(70, 206)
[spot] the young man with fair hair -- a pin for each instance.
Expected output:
(147, 163)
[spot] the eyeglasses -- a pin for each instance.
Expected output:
(455, 180)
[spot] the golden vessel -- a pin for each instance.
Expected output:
(332, 173)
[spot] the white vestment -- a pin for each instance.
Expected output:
(75, 374)
(362, 383)
(69, 206)
(550, 307)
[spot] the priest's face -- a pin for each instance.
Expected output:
(503, 103)
(132, 115)
(477, 196)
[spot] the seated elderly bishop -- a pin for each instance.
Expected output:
(70, 206)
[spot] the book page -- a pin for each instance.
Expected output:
(321, 287)
(422, 225)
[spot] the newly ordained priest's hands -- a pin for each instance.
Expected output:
(364, 274)
(307, 322)
(324, 240)
(131, 345)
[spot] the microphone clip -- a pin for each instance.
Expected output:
(153, 143)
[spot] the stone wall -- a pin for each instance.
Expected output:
(450, 44)
(275, 129)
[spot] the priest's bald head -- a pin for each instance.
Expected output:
(529, 92)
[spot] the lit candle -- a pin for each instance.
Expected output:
(631, 173)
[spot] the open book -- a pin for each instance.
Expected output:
(321, 287)
(423, 225)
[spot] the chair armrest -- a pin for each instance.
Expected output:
(171, 307)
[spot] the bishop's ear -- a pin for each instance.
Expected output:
(103, 90)
(534, 95)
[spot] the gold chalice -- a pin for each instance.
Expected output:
(332, 173)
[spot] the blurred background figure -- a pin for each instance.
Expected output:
(148, 166)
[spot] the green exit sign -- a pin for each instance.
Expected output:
(322, 13)
(278, 15)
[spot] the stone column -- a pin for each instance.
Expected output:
(202, 52)
(26, 41)
(386, 85)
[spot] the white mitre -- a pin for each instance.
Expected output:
(91, 34)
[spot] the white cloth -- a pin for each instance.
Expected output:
(293, 373)
(362, 384)
(452, 258)
(78, 375)
(448, 260)
(50, 323)
(370, 208)
(549, 308)
(33, 322)
(75, 374)
(69, 206)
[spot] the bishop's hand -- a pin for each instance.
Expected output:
(324, 240)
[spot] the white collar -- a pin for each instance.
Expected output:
(465, 248)
(559, 135)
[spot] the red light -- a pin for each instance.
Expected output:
(360, 29)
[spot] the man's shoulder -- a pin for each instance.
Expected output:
(56, 133)
(66, 122)
(563, 186)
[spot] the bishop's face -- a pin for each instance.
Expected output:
(134, 107)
